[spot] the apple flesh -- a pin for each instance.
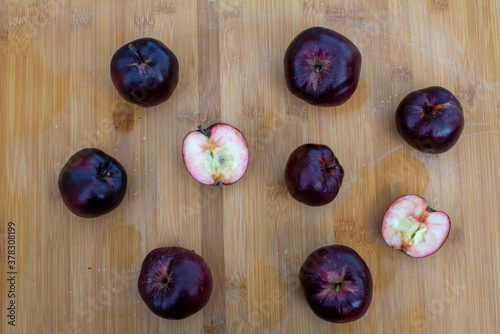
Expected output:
(145, 72)
(337, 284)
(313, 175)
(322, 67)
(430, 120)
(174, 282)
(215, 155)
(412, 227)
(92, 183)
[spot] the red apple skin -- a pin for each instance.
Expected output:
(313, 175)
(145, 72)
(430, 120)
(92, 183)
(174, 282)
(336, 267)
(322, 67)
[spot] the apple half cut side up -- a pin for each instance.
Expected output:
(216, 155)
(411, 226)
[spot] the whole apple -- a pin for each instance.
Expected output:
(430, 120)
(217, 155)
(313, 175)
(145, 72)
(411, 226)
(92, 183)
(322, 67)
(337, 284)
(174, 282)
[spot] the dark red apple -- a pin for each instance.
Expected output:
(145, 72)
(322, 67)
(215, 155)
(337, 284)
(174, 282)
(430, 120)
(412, 227)
(92, 183)
(313, 175)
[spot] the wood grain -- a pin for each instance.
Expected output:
(80, 276)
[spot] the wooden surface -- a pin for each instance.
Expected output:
(80, 276)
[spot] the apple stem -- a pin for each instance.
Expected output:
(163, 280)
(202, 130)
(317, 68)
(136, 54)
(337, 287)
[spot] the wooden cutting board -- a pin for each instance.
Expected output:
(74, 275)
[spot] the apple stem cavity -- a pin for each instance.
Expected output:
(200, 128)
(429, 109)
(136, 54)
(164, 281)
(328, 168)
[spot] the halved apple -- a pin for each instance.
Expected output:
(215, 155)
(412, 227)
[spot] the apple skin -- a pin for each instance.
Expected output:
(92, 183)
(145, 72)
(337, 284)
(174, 282)
(430, 120)
(313, 175)
(322, 67)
